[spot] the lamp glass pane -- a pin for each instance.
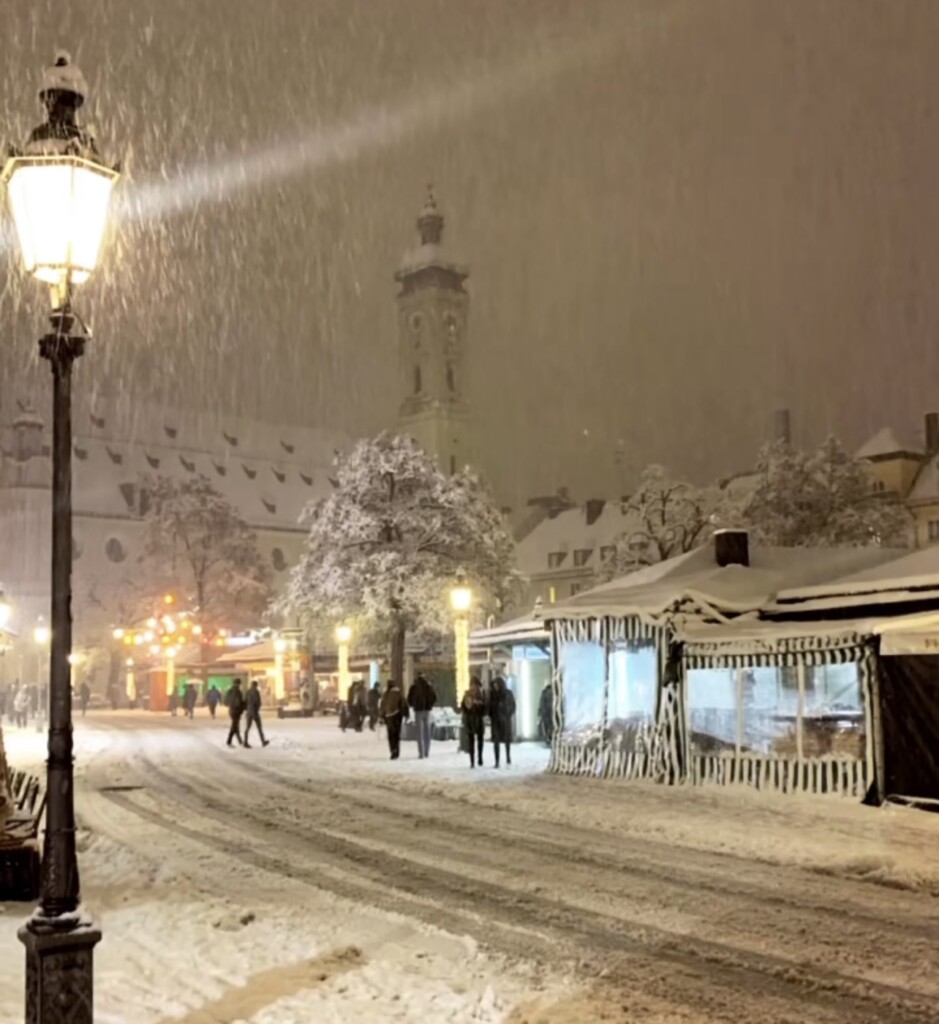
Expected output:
(60, 210)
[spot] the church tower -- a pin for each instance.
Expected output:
(433, 306)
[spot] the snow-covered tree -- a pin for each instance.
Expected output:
(664, 517)
(384, 547)
(198, 545)
(821, 497)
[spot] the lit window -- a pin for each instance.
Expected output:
(556, 559)
(552, 595)
(582, 556)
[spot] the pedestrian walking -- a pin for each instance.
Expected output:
(473, 707)
(394, 710)
(501, 713)
(84, 695)
(421, 700)
(235, 700)
(546, 714)
(21, 706)
(212, 699)
(374, 703)
(189, 700)
(253, 712)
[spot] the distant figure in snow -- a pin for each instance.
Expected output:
(546, 713)
(84, 695)
(212, 699)
(473, 707)
(174, 703)
(235, 700)
(501, 713)
(189, 699)
(394, 710)
(21, 706)
(374, 703)
(253, 709)
(421, 699)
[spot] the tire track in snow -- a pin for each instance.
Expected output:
(705, 969)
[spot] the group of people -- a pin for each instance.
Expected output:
(498, 705)
(362, 705)
(247, 705)
(19, 702)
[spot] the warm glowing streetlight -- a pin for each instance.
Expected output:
(461, 601)
(41, 633)
(343, 637)
(6, 610)
(118, 634)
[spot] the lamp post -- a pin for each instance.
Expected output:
(461, 601)
(59, 191)
(343, 636)
(41, 640)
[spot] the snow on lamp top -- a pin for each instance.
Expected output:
(59, 190)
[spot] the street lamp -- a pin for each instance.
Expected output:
(280, 648)
(343, 636)
(461, 601)
(59, 192)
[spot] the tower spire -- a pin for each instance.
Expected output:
(430, 222)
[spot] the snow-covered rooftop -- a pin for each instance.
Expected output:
(733, 589)
(269, 472)
(569, 531)
(886, 442)
(926, 487)
(914, 570)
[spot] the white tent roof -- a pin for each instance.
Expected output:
(524, 630)
(734, 589)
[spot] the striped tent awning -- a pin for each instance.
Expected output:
(782, 651)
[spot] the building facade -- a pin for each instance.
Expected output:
(433, 312)
(268, 473)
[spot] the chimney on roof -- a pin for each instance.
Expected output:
(932, 433)
(594, 507)
(731, 547)
(782, 426)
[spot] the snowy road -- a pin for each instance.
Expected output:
(586, 901)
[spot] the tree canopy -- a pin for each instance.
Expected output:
(385, 546)
(818, 498)
(197, 544)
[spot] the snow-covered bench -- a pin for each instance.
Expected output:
(19, 843)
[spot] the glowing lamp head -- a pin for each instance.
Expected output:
(6, 610)
(168, 599)
(280, 645)
(118, 634)
(461, 597)
(59, 190)
(41, 633)
(343, 634)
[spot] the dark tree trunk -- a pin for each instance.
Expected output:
(397, 653)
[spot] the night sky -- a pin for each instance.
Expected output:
(678, 215)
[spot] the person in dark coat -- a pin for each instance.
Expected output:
(394, 710)
(501, 713)
(189, 700)
(358, 705)
(84, 695)
(374, 702)
(253, 712)
(212, 698)
(421, 700)
(174, 703)
(546, 713)
(473, 707)
(235, 700)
